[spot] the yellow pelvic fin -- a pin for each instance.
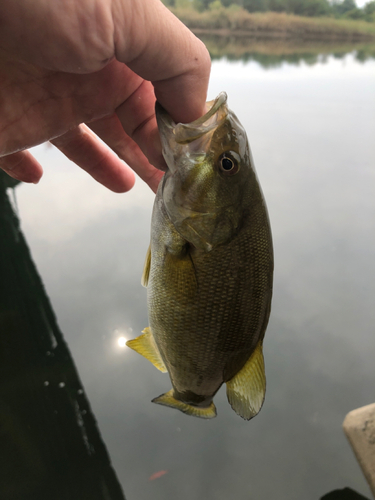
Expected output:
(167, 399)
(146, 268)
(145, 345)
(246, 390)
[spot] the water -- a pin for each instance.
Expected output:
(312, 129)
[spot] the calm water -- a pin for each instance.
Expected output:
(312, 129)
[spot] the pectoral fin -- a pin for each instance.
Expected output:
(168, 399)
(146, 268)
(246, 390)
(179, 274)
(145, 345)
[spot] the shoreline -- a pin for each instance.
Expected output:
(270, 52)
(259, 35)
(273, 25)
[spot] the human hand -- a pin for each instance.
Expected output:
(74, 72)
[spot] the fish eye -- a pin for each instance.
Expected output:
(228, 164)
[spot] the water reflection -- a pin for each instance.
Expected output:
(50, 446)
(272, 53)
(311, 129)
(121, 341)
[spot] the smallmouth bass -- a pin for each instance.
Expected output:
(209, 268)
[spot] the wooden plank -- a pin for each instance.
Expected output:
(359, 427)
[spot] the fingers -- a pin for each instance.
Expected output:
(83, 147)
(158, 47)
(111, 131)
(22, 166)
(137, 117)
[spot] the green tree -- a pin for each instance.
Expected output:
(183, 4)
(255, 5)
(198, 5)
(369, 8)
(228, 3)
(340, 8)
(369, 11)
(308, 7)
(354, 14)
(276, 5)
(215, 5)
(205, 3)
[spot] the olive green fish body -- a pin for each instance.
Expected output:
(209, 270)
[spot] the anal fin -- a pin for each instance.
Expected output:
(168, 399)
(246, 390)
(145, 345)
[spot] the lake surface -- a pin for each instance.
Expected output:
(311, 127)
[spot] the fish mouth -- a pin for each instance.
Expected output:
(184, 133)
(187, 132)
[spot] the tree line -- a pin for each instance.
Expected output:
(312, 8)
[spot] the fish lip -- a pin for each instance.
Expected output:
(188, 132)
(184, 133)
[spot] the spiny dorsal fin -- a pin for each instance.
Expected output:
(246, 390)
(146, 268)
(168, 399)
(145, 345)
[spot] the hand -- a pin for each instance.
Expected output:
(74, 72)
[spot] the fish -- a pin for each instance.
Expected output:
(209, 267)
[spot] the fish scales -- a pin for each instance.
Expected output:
(210, 266)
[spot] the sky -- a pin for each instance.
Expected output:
(361, 3)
